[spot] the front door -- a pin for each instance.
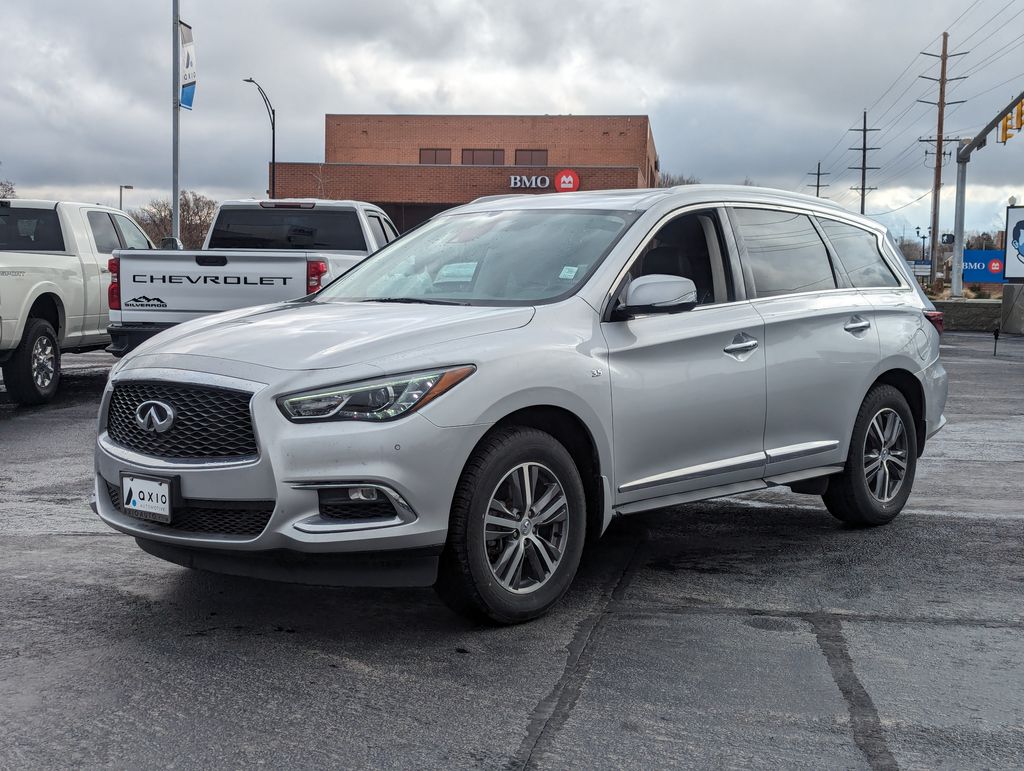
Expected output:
(688, 389)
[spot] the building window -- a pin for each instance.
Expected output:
(483, 157)
(531, 157)
(435, 155)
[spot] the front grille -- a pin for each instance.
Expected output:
(334, 504)
(209, 423)
(211, 517)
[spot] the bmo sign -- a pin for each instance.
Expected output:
(565, 181)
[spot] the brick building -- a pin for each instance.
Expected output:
(414, 166)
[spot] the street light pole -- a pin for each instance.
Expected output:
(120, 195)
(273, 136)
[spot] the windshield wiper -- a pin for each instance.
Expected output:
(423, 300)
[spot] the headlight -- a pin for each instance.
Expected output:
(376, 400)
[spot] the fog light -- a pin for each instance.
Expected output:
(362, 493)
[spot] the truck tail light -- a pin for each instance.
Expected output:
(935, 318)
(114, 290)
(315, 271)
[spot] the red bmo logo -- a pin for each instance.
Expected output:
(566, 181)
(996, 266)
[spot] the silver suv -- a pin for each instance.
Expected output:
(472, 404)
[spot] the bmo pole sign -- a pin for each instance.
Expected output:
(564, 181)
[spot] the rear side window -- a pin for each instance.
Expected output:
(103, 232)
(857, 250)
(785, 254)
(328, 229)
(392, 233)
(133, 237)
(377, 229)
(30, 230)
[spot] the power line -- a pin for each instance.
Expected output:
(904, 206)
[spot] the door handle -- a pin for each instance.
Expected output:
(742, 343)
(857, 324)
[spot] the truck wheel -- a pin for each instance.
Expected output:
(32, 373)
(880, 466)
(516, 531)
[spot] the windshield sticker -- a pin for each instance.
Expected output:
(568, 272)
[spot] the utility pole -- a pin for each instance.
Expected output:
(864, 168)
(817, 180)
(175, 112)
(939, 139)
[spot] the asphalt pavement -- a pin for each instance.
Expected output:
(746, 632)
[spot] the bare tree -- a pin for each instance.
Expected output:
(668, 179)
(7, 189)
(748, 182)
(196, 215)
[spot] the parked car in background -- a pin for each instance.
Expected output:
(473, 403)
(53, 287)
(256, 252)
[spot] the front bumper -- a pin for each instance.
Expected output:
(412, 457)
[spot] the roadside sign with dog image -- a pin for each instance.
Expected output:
(1014, 259)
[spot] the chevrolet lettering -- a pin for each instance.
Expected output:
(139, 278)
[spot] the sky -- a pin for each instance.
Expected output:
(758, 89)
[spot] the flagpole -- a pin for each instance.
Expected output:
(175, 113)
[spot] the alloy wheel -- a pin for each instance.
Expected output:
(44, 362)
(885, 455)
(526, 527)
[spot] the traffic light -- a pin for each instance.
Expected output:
(1006, 126)
(1018, 117)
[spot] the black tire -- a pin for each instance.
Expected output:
(465, 580)
(850, 496)
(19, 379)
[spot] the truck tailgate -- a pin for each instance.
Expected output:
(172, 286)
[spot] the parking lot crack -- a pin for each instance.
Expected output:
(554, 709)
(864, 720)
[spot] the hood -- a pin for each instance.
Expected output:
(326, 335)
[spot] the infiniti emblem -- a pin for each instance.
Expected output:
(155, 417)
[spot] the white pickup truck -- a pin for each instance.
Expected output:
(256, 252)
(54, 279)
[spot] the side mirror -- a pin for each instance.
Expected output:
(658, 294)
(169, 242)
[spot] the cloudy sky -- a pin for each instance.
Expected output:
(744, 88)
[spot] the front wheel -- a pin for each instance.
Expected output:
(881, 464)
(32, 373)
(517, 528)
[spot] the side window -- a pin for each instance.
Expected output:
(377, 229)
(857, 250)
(133, 237)
(103, 232)
(784, 252)
(30, 230)
(390, 230)
(690, 246)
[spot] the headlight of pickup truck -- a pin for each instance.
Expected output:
(376, 400)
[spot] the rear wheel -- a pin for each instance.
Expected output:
(32, 373)
(517, 529)
(881, 463)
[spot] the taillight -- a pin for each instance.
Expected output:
(114, 290)
(935, 318)
(315, 271)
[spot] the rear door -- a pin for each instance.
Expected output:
(820, 345)
(172, 286)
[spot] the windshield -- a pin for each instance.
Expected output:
(324, 230)
(488, 258)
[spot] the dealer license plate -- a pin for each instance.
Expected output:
(146, 498)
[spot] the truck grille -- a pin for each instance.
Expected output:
(247, 518)
(209, 423)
